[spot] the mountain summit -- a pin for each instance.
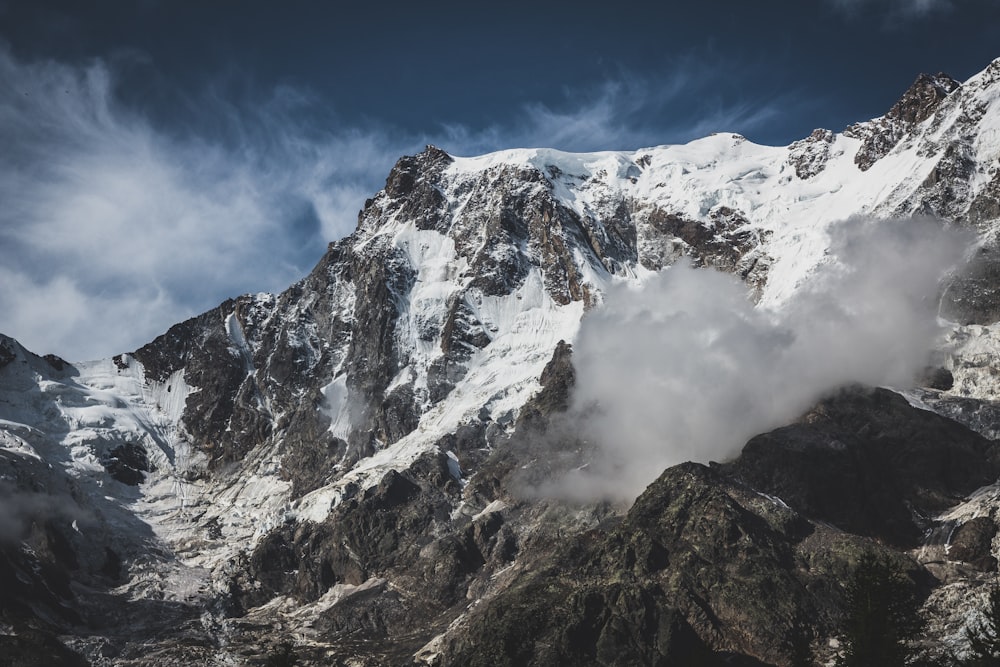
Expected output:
(353, 465)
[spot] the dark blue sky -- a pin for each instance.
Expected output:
(415, 66)
(160, 156)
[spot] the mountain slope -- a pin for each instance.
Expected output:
(349, 457)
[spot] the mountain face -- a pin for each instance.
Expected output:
(349, 466)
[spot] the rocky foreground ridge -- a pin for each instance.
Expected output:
(352, 466)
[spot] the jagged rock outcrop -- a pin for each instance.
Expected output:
(869, 463)
(810, 155)
(974, 296)
(972, 542)
(701, 570)
(917, 104)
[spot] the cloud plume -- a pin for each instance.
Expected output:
(687, 368)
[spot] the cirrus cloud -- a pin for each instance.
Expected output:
(113, 228)
(894, 9)
(117, 225)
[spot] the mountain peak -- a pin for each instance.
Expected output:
(285, 465)
(922, 98)
(407, 169)
(920, 101)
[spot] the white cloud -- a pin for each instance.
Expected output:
(687, 368)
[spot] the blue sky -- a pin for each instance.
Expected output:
(162, 156)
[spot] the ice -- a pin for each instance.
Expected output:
(455, 468)
(77, 418)
(439, 275)
(235, 331)
(692, 180)
(338, 406)
(14, 438)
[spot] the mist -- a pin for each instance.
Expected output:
(687, 368)
(20, 508)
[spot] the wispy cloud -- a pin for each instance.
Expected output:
(894, 9)
(115, 226)
(689, 100)
(112, 229)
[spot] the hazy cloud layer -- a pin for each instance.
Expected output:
(19, 509)
(686, 368)
(115, 227)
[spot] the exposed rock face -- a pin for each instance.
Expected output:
(982, 416)
(917, 104)
(974, 296)
(700, 569)
(127, 463)
(262, 365)
(7, 353)
(922, 98)
(722, 242)
(718, 566)
(382, 528)
(356, 462)
(809, 156)
(222, 417)
(32, 649)
(871, 464)
(986, 205)
(972, 542)
(937, 378)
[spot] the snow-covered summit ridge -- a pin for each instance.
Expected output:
(940, 136)
(444, 253)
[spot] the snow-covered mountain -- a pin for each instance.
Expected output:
(338, 465)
